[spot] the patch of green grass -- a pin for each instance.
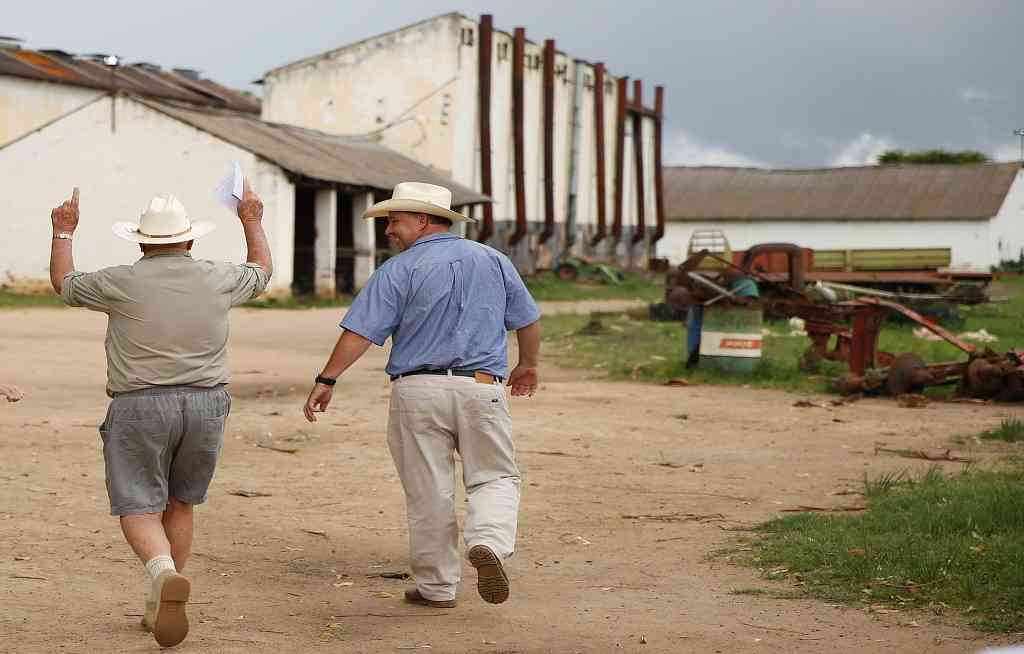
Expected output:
(631, 348)
(546, 287)
(1010, 429)
(10, 300)
(291, 302)
(932, 541)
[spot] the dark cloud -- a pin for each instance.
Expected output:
(769, 82)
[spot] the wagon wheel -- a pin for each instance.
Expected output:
(566, 272)
(902, 377)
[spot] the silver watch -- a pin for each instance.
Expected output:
(63, 235)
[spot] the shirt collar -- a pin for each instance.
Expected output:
(441, 236)
(153, 255)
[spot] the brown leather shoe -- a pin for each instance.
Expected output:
(413, 597)
(491, 580)
(170, 624)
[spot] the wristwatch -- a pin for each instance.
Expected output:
(63, 235)
(326, 381)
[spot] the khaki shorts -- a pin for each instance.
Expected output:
(160, 443)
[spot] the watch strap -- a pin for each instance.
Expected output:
(63, 235)
(326, 381)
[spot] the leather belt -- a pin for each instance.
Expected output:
(480, 376)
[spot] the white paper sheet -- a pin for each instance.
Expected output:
(229, 191)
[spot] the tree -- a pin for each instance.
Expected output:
(932, 157)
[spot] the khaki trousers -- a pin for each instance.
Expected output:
(431, 417)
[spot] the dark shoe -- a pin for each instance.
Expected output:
(170, 624)
(491, 580)
(413, 597)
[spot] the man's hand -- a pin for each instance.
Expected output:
(65, 217)
(250, 207)
(523, 381)
(11, 392)
(318, 400)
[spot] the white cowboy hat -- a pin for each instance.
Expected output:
(416, 197)
(163, 221)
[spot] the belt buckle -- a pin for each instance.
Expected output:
(483, 377)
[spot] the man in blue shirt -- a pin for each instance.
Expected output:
(448, 304)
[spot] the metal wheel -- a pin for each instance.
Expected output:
(902, 378)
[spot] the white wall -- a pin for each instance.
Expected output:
(1007, 240)
(968, 239)
(117, 174)
(407, 75)
(27, 104)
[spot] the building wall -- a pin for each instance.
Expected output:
(970, 240)
(434, 66)
(117, 174)
(400, 85)
(27, 104)
(1007, 241)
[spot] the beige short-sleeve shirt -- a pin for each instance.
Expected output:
(167, 317)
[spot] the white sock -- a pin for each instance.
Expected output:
(158, 564)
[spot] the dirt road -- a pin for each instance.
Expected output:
(299, 570)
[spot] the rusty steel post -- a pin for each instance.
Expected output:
(620, 158)
(484, 107)
(638, 152)
(602, 226)
(518, 117)
(549, 141)
(659, 185)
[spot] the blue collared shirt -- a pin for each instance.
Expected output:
(446, 302)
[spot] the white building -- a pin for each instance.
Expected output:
(971, 216)
(122, 148)
(469, 101)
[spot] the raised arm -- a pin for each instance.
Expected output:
(65, 221)
(250, 212)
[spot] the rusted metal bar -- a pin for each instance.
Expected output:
(638, 152)
(602, 226)
(659, 185)
(549, 141)
(518, 147)
(946, 335)
(620, 158)
(484, 106)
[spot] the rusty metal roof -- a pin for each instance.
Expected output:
(898, 192)
(315, 155)
(144, 80)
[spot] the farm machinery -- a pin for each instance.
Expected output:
(847, 330)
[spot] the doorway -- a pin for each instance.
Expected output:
(304, 257)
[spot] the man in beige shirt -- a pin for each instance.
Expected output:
(166, 347)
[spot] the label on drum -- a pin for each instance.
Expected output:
(730, 344)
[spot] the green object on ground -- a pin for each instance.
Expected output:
(575, 268)
(731, 338)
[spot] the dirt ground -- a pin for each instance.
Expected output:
(299, 570)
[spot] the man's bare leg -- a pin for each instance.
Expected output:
(165, 611)
(177, 524)
(145, 534)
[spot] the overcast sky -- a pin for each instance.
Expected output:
(758, 82)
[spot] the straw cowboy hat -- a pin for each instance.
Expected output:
(416, 197)
(163, 221)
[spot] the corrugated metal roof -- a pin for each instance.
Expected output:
(147, 81)
(313, 154)
(901, 192)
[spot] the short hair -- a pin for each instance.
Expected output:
(438, 220)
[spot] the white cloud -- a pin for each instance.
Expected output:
(862, 151)
(681, 149)
(971, 95)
